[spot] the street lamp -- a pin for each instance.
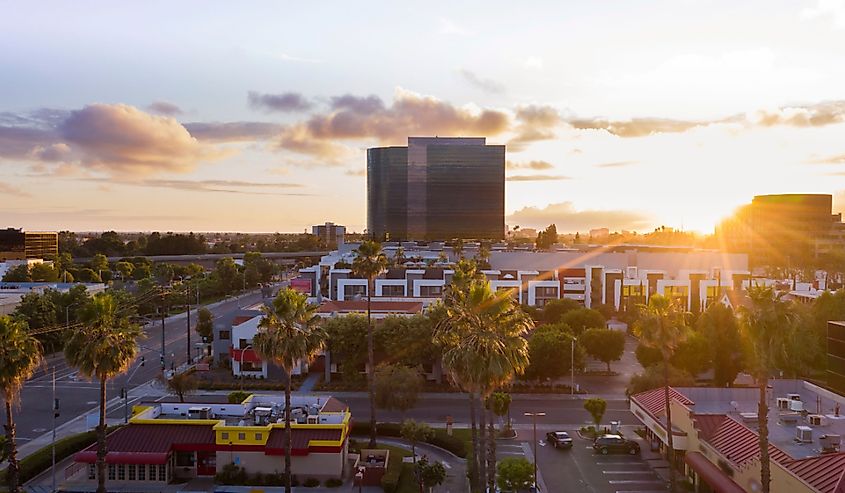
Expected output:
(572, 365)
(241, 364)
(534, 422)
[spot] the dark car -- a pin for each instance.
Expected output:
(615, 444)
(559, 439)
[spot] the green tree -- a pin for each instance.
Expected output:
(547, 238)
(550, 352)
(141, 272)
(99, 263)
(397, 387)
(288, 334)
(347, 342)
(408, 340)
(44, 272)
(88, 275)
(763, 324)
(647, 356)
(719, 326)
(20, 354)
(369, 262)
(654, 376)
(582, 319)
(430, 474)
(182, 384)
(101, 349)
(662, 326)
(515, 474)
(596, 406)
(554, 310)
(125, 269)
(205, 324)
(500, 404)
(604, 344)
(694, 354)
(415, 433)
(226, 271)
(458, 248)
(19, 273)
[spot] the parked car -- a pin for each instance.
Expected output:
(559, 439)
(615, 444)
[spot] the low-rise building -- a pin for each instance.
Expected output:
(172, 441)
(716, 441)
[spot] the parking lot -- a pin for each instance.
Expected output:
(579, 469)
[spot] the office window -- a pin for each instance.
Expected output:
(241, 436)
(131, 472)
(142, 472)
(225, 335)
(162, 472)
(112, 471)
(258, 437)
(121, 472)
(224, 435)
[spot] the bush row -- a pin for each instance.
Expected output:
(441, 438)
(233, 475)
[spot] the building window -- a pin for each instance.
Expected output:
(184, 459)
(393, 291)
(243, 343)
(431, 291)
(224, 435)
(250, 366)
(162, 472)
(121, 472)
(225, 335)
(142, 472)
(131, 472)
(258, 437)
(111, 472)
(92, 471)
(242, 436)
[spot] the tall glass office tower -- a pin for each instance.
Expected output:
(436, 188)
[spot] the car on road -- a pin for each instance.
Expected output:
(615, 444)
(559, 439)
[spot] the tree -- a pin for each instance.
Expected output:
(88, 275)
(763, 324)
(694, 354)
(227, 271)
(101, 349)
(370, 262)
(347, 342)
(604, 344)
(719, 326)
(596, 406)
(20, 354)
(458, 248)
(17, 274)
(550, 352)
(515, 474)
(182, 384)
(125, 269)
(205, 324)
(483, 342)
(408, 340)
(430, 474)
(582, 319)
(415, 433)
(662, 326)
(141, 272)
(99, 263)
(43, 272)
(554, 310)
(397, 387)
(647, 356)
(287, 335)
(653, 377)
(547, 238)
(500, 404)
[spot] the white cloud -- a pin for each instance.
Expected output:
(827, 8)
(533, 62)
(448, 26)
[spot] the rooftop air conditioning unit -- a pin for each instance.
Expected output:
(830, 443)
(817, 420)
(796, 406)
(803, 434)
(793, 397)
(313, 420)
(783, 404)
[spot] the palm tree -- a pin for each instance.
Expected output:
(458, 248)
(101, 349)
(369, 263)
(288, 334)
(484, 346)
(20, 354)
(662, 326)
(764, 324)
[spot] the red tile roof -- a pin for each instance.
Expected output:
(653, 400)
(377, 306)
(334, 406)
(740, 444)
(134, 442)
(708, 424)
(824, 473)
(301, 437)
(712, 475)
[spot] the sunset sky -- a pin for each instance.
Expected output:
(255, 116)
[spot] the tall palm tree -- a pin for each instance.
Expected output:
(458, 248)
(102, 348)
(288, 334)
(484, 346)
(662, 327)
(764, 324)
(20, 354)
(369, 263)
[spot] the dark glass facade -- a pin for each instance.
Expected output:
(836, 356)
(12, 244)
(436, 189)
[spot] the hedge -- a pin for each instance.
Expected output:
(441, 438)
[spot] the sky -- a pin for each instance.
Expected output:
(256, 117)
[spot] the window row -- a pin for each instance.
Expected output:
(132, 472)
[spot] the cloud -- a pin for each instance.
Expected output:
(537, 178)
(568, 219)
(533, 62)
(122, 139)
(827, 8)
(164, 108)
(838, 159)
(536, 165)
(616, 164)
(359, 104)
(288, 102)
(221, 186)
(635, 127)
(356, 172)
(6, 189)
(448, 26)
(486, 85)
(534, 123)
(233, 131)
(22, 142)
(812, 115)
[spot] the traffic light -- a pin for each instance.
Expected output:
(143, 360)
(56, 408)
(162, 362)
(123, 392)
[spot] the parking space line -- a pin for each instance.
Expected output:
(635, 481)
(627, 472)
(612, 463)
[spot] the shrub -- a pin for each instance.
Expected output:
(237, 396)
(231, 474)
(333, 483)
(311, 483)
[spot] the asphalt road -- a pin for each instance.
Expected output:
(77, 397)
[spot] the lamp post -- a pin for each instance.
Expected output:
(572, 366)
(241, 364)
(534, 422)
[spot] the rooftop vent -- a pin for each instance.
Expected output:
(830, 443)
(803, 434)
(817, 420)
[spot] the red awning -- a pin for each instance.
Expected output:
(711, 474)
(248, 355)
(90, 457)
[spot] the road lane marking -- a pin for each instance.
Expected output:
(627, 472)
(635, 481)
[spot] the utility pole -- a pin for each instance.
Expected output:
(163, 316)
(534, 422)
(188, 301)
(53, 445)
